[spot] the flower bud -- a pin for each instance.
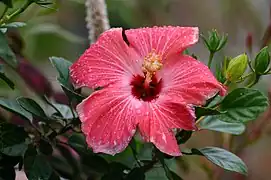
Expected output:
(236, 68)
(262, 61)
(215, 42)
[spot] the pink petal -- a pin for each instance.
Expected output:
(107, 61)
(189, 80)
(165, 40)
(160, 118)
(109, 119)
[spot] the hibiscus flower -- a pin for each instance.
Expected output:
(148, 84)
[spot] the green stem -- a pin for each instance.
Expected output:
(244, 77)
(211, 56)
(9, 17)
(253, 82)
(227, 83)
(250, 66)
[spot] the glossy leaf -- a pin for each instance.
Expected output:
(15, 150)
(205, 111)
(156, 174)
(175, 176)
(13, 106)
(222, 158)
(135, 174)
(116, 170)
(242, 105)
(6, 53)
(5, 78)
(262, 61)
(88, 158)
(68, 155)
(31, 106)
(61, 166)
(36, 165)
(45, 147)
(94, 162)
(62, 65)
(65, 111)
(77, 142)
(12, 139)
(183, 136)
(213, 123)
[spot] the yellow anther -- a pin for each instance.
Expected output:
(152, 63)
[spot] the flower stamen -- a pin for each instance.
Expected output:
(152, 64)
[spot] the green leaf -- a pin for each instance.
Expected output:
(13, 106)
(135, 174)
(242, 105)
(36, 165)
(6, 53)
(12, 139)
(14, 25)
(262, 61)
(116, 170)
(212, 102)
(8, 3)
(43, 2)
(5, 78)
(222, 158)
(183, 136)
(88, 158)
(15, 150)
(175, 176)
(31, 106)
(72, 94)
(8, 161)
(77, 142)
(156, 174)
(7, 173)
(62, 65)
(61, 166)
(72, 161)
(45, 147)
(205, 111)
(94, 162)
(65, 110)
(213, 123)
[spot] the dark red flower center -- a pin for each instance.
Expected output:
(146, 91)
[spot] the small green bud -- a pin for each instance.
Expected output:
(262, 61)
(236, 68)
(222, 42)
(215, 42)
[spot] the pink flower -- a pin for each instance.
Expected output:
(148, 84)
